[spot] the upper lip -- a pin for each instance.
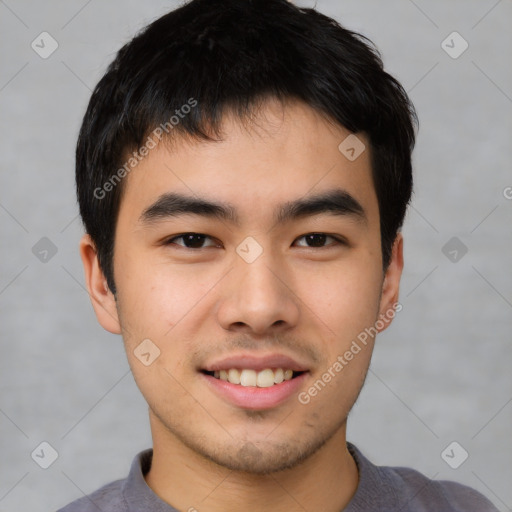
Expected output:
(257, 363)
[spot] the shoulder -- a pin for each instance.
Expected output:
(115, 496)
(107, 498)
(418, 493)
(386, 488)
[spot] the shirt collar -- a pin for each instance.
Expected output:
(137, 493)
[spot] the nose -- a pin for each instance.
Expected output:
(259, 298)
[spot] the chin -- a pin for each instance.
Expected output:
(264, 457)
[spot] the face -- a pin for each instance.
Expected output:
(278, 278)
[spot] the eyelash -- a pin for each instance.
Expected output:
(338, 241)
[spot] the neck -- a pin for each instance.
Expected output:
(186, 480)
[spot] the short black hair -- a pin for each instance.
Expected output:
(214, 55)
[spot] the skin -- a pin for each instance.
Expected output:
(199, 304)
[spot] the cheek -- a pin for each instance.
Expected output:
(343, 296)
(157, 298)
(157, 305)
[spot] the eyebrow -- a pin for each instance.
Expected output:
(334, 202)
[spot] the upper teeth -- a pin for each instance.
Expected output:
(263, 379)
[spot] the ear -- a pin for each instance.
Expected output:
(389, 304)
(103, 300)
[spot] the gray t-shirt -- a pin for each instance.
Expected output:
(380, 489)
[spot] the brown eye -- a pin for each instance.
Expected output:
(318, 240)
(191, 240)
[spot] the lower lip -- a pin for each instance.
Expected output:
(249, 397)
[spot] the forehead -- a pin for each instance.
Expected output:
(283, 152)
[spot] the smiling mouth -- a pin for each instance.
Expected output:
(251, 378)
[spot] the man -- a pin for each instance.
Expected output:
(243, 172)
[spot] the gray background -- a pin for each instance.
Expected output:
(441, 373)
